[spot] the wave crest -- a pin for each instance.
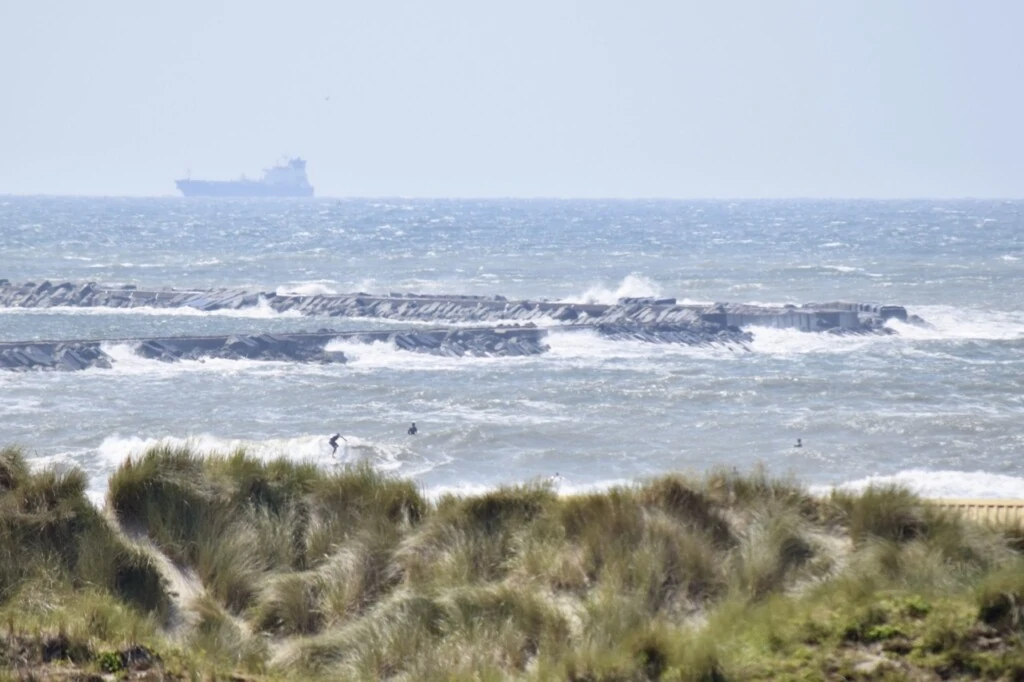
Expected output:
(633, 285)
(943, 484)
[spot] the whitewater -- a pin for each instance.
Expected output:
(937, 408)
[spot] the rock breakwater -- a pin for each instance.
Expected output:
(301, 347)
(699, 318)
(507, 328)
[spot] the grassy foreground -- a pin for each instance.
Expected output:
(229, 567)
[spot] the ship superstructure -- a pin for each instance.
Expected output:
(284, 180)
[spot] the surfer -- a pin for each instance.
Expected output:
(334, 442)
(799, 443)
(412, 429)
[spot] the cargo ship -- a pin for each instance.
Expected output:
(284, 180)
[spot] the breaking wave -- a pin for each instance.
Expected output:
(951, 323)
(317, 287)
(115, 449)
(631, 286)
(943, 484)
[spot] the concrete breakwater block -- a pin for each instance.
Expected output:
(66, 357)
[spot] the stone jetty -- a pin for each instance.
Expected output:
(502, 327)
(299, 347)
(833, 316)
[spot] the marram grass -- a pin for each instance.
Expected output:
(229, 565)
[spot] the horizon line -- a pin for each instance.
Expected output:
(496, 197)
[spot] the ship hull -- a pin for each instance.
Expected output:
(237, 188)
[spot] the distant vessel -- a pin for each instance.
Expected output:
(287, 180)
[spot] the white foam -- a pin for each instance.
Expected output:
(463, 489)
(366, 284)
(316, 287)
(949, 323)
(14, 406)
(568, 487)
(767, 304)
(385, 355)
(589, 347)
(434, 322)
(305, 448)
(559, 484)
(126, 264)
(746, 286)
(786, 342)
(127, 362)
(261, 311)
(633, 285)
(488, 416)
(947, 484)
(849, 270)
(944, 323)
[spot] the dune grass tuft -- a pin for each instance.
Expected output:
(886, 513)
(688, 503)
(350, 574)
(13, 468)
(773, 547)
(1001, 598)
(471, 540)
(238, 520)
(48, 524)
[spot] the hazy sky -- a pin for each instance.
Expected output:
(468, 98)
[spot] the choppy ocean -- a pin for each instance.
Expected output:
(939, 408)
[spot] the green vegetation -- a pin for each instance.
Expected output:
(72, 589)
(229, 565)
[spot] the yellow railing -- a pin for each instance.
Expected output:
(987, 511)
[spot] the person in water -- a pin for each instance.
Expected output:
(799, 443)
(334, 442)
(412, 429)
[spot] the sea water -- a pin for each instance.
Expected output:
(939, 408)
